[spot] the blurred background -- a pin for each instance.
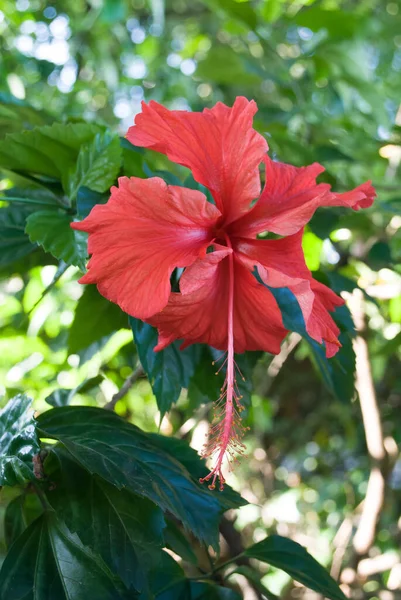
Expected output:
(327, 79)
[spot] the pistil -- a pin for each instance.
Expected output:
(226, 433)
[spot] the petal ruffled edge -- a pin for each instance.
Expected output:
(291, 196)
(140, 236)
(219, 145)
(281, 263)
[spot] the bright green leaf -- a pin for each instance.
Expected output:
(52, 230)
(97, 166)
(240, 11)
(224, 66)
(95, 318)
(50, 150)
(312, 247)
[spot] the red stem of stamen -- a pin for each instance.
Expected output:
(225, 435)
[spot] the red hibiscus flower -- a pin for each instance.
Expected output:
(147, 229)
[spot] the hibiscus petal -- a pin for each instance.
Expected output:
(361, 197)
(281, 263)
(136, 240)
(291, 196)
(219, 145)
(200, 313)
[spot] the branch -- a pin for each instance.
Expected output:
(128, 383)
(375, 494)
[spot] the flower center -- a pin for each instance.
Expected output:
(221, 237)
(226, 433)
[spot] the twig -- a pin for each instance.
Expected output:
(128, 383)
(375, 494)
(234, 542)
(340, 544)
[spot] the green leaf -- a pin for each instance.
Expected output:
(169, 370)
(98, 165)
(312, 246)
(50, 150)
(18, 441)
(209, 591)
(20, 513)
(48, 561)
(167, 578)
(240, 11)
(196, 590)
(124, 529)
(205, 385)
(292, 558)
(52, 230)
(63, 397)
(223, 65)
(178, 543)
(14, 243)
(338, 23)
(87, 199)
(16, 115)
(95, 318)
(254, 577)
(32, 196)
(126, 457)
(188, 457)
(271, 10)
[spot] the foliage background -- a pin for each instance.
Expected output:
(326, 77)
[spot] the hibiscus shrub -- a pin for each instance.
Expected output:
(98, 508)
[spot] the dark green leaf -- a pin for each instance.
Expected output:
(63, 397)
(186, 455)
(379, 255)
(167, 579)
(97, 166)
(51, 229)
(14, 243)
(254, 577)
(18, 441)
(124, 529)
(132, 159)
(87, 199)
(20, 513)
(125, 456)
(292, 558)
(178, 543)
(48, 561)
(196, 590)
(209, 591)
(95, 318)
(169, 370)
